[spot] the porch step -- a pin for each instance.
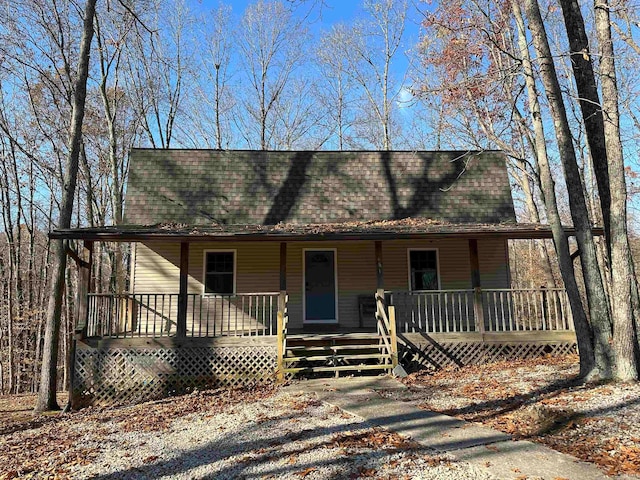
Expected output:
(336, 357)
(305, 348)
(335, 352)
(332, 336)
(342, 368)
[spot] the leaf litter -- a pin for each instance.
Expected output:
(540, 400)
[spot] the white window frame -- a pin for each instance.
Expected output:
(432, 249)
(204, 270)
(304, 286)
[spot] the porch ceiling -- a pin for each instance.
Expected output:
(409, 228)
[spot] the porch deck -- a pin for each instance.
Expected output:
(148, 345)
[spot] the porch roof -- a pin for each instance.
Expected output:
(408, 228)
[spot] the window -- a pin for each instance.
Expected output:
(423, 269)
(219, 272)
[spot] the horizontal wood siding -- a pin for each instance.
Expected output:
(453, 258)
(258, 267)
(494, 266)
(158, 266)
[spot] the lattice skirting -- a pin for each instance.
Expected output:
(439, 355)
(130, 375)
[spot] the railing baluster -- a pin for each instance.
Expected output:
(228, 316)
(468, 315)
(215, 315)
(505, 300)
(205, 301)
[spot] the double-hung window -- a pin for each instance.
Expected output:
(423, 270)
(219, 272)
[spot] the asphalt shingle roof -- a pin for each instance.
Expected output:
(204, 187)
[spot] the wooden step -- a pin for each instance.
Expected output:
(336, 357)
(333, 347)
(342, 368)
(299, 345)
(331, 336)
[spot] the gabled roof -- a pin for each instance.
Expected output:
(314, 187)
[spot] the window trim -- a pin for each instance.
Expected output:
(431, 249)
(204, 270)
(304, 283)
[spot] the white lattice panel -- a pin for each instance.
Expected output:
(438, 355)
(130, 375)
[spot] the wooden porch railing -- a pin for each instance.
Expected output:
(283, 320)
(386, 325)
(434, 310)
(511, 310)
(156, 315)
(480, 310)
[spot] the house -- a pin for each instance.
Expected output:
(250, 266)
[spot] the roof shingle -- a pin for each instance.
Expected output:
(311, 187)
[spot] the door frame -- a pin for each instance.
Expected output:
(304, 285)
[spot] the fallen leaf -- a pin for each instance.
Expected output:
(306, 472)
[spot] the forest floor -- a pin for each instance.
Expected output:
(269, 433)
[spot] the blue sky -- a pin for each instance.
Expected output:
(333, 11)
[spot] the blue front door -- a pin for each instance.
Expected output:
(320, 286)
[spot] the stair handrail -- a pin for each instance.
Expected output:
(283, 320)
(384, 326)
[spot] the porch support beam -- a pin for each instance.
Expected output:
(379, 267)
(181, 328)
(82, 314)
(84, 279)
(283, 266)
(478, 307)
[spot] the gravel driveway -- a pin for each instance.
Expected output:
(288, 436)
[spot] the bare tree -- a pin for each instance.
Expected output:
(159, 67)
(337, 82)
(596, 298)
(48, 380)
(583, 330)
(271, 43)
(624, 340)
(373, 45)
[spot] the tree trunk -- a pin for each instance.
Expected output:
(48, 377)
(589, 102)
(598, 306)
(623, 333)
(584, 334)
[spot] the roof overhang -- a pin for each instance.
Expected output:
(407, 229)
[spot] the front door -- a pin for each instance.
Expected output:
(320, 293)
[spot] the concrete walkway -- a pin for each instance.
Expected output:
(495, 451)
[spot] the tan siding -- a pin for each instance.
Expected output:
(494, 269)
(453, 262)
(157, 268)
(257, 268)
(257, 265)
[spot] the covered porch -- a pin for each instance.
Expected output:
(259, 338)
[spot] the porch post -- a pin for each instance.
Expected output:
(181, 328)
(82, 294)
(478, 307)
(282, 314)
(379, 269)
(283, 266)
(82, 315)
